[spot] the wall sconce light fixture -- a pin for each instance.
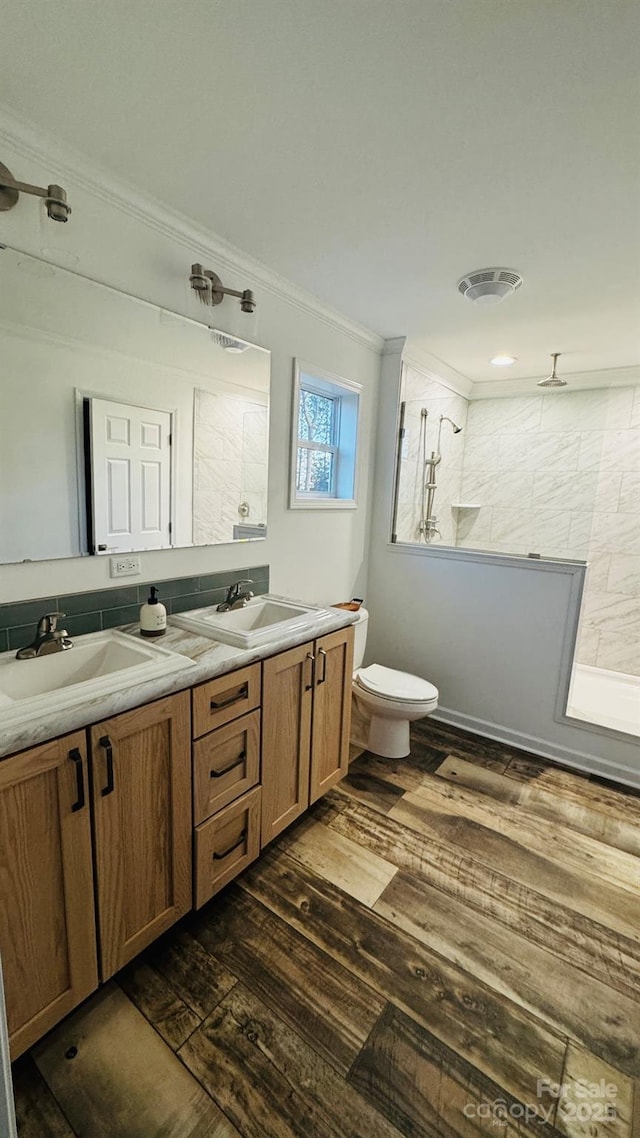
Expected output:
(55, 198)
(210, 289)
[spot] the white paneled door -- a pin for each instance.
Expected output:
(130, 477)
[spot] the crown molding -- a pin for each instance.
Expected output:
(576, 381)
(394, 346)
(26, 139)
(438, 370)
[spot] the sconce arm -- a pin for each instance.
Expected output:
(9, 183)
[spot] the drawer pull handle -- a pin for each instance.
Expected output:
(242, 694)
(321, 652)
(240, 759)
(105, 742)
(310, 656)
(235, 846)
(76, 758)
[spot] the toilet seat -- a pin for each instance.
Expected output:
(401, 687)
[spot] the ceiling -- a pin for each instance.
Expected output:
(374, 151)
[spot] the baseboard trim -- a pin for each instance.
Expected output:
(587, 764)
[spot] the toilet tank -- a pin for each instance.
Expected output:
(360, 629)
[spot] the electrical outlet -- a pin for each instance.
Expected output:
(124, 566)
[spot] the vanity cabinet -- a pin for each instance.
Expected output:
(47, 924)
(305, 726)
(141, 783)
(128, 807)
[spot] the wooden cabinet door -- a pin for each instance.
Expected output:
(141, 777)
(331, 711)
(47, 916)
(287, 692)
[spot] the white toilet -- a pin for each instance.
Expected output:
(392, 699)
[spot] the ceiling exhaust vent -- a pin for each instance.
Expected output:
(489, 286)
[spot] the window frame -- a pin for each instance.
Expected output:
(344, 447)
(332, 448)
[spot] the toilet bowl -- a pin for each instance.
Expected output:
(392, 699)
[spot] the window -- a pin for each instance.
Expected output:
(325, 428)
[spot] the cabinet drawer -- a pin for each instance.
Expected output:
(225, 698)
(226, 763)
(226, 844)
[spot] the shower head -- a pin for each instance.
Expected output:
(553, 380)
(446, 419)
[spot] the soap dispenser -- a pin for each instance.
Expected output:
(153, 616)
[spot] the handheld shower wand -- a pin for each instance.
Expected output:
(429, 522)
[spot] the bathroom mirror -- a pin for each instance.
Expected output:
(123, 426)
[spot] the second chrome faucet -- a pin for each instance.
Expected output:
(235, 598)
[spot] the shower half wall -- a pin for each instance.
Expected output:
(555, 474)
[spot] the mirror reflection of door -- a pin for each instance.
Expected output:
(130, 477)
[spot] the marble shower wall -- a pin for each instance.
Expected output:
(419, 390)
(559, 474)
(230, 465)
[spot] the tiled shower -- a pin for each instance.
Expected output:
(554, 473)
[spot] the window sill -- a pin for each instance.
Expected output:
(323, 504)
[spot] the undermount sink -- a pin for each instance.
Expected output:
(261, 620)
(98, 664)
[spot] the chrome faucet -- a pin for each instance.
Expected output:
(235, 599)
(48, 638)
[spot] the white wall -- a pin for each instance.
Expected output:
(123, 242)
(492, 635)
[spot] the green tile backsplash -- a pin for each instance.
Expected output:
(107, 608)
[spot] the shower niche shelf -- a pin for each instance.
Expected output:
(466, 506)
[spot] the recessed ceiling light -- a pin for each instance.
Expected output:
(503, 361)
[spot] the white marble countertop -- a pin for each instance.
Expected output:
(210, 659)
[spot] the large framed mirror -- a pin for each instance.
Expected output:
(124, 427)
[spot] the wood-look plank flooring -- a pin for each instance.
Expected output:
(446, 946)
